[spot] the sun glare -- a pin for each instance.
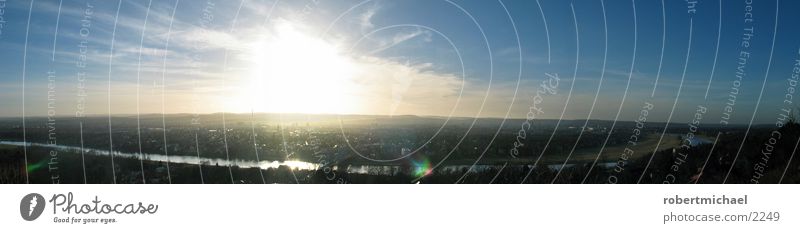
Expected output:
(293, 72)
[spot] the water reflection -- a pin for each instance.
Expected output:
(387, 170)
(293, 164)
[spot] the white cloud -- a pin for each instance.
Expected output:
(365, 19)
(400, 38)
(395, 88)
(291, 70)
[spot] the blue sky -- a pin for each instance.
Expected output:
(398, 55)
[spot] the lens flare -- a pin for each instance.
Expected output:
(421, 167)
(37, 166)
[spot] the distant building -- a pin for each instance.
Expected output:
(405, 151)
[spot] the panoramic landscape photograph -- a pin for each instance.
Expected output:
(399, 92)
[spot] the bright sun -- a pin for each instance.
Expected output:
(292, 72)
